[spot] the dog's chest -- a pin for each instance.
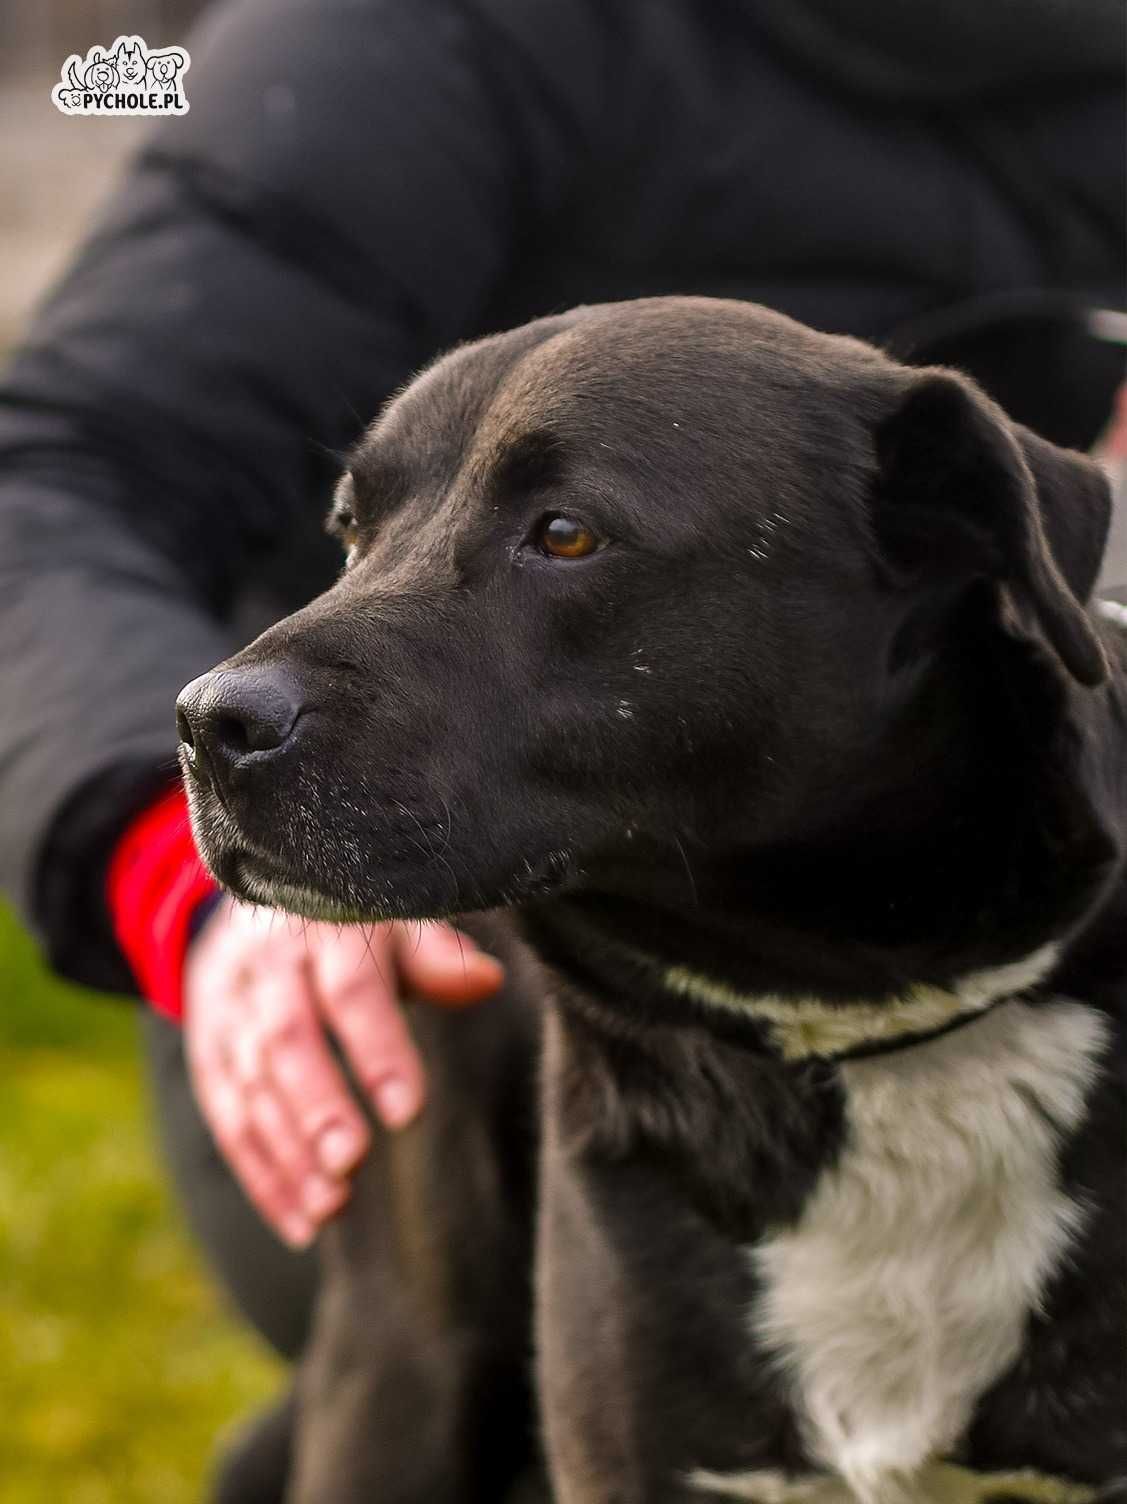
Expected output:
(902, 1292)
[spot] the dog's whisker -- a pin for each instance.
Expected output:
(688, 870)
(461, 951)
(449, 827)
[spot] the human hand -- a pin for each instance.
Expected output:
(260, 991)
(1113, 444)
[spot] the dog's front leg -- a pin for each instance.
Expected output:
(639, 1302)
(584, 1396)
(382, 1390)
(415, 1387)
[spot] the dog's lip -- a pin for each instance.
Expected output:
(243, 870)
(257, 882)
(238, 869)
(259, 876)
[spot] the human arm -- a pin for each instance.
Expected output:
(347, 189)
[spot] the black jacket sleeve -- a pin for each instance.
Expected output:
(350, 184)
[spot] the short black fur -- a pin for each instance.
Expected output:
(826, 716)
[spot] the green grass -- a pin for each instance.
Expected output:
(118, 1366)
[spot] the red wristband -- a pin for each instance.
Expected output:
(155, 883)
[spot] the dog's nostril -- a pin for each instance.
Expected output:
(233, 733)
(184, 730)
(251, 732)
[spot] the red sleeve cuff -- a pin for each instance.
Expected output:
(155, 883)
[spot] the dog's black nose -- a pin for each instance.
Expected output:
(225, 716)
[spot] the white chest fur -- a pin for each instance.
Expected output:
(902, 1292)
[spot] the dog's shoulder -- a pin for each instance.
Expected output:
(919, 1225)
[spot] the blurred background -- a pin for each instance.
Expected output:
(54, 170)
(117, 1364)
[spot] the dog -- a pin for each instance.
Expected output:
(162, 68)
(131, 63)
(736, 685)
(98, 77)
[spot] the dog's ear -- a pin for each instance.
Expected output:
(963, 494)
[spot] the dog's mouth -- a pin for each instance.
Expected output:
(254, 881)
(342, 881)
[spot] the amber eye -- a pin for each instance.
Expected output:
(563, 538)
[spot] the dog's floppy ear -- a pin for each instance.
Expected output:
(964, 494)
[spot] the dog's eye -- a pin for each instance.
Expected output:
(563, 537)
(342, 524)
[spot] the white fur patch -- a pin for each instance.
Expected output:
(806, 1026)
(902, 1292)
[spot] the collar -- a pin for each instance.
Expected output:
(805, 1028)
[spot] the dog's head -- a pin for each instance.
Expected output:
(639, 589)
(130, 63)
(101, 75)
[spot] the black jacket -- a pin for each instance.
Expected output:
(361, 182)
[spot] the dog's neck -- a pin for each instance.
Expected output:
(905, 914)
(723, 1012)
(630, 967)
(736, 1090)
(808, 1027)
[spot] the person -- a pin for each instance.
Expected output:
(357, 185)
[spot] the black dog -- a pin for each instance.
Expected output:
(751, 670)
